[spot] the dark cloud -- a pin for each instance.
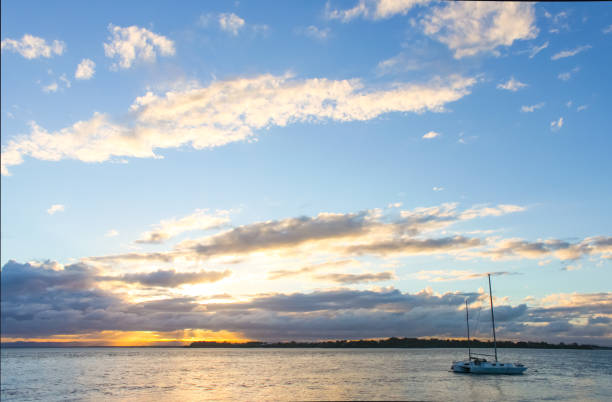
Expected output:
(43, 301)
(170, 278)
(415, 246)
(283, 233)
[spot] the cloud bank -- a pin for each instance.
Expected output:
(225, 112)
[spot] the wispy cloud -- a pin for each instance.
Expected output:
(225, 112)
(568, 74)
(556, 125)
(33, 47)
(569, 53)
(133, 43)
(607, 29)
(112, 233)
(532, 108)
(55, 208)
(511, 85)
(310, 269)
(199, 220)
(537, 49)
(314, 32)
(455, 275)
(373, 9)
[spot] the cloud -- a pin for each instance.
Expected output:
(112, 233)
(346, 279)
(373, 9)
(455, 275)
(314, 32)
(309, 269)
(231, 23)
(511, 85)
(537, 49)
(569, 53)
(430, 135)
(85, 70)
(171, 279)
(581, 108)
(47, 300)
(55, 208)
(562, 250)
(438, 188)
(199, 220)
(52, 87)
(567, 75)
(337, 235)
(33, 47)
(225, 112)
(469, 28)
(607, 29)
(532, 108)
(556, 125)
(133, 43)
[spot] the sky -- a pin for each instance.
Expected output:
(268, 170)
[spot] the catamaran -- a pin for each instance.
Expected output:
(479, 365)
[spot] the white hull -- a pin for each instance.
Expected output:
(485, 367)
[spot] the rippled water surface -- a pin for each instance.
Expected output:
(295, 374)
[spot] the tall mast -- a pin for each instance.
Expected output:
(467, 319)
(492, 317)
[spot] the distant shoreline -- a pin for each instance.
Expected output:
(404, 343)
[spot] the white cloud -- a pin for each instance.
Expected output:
(430, 135)
(607, 29)
(230, 22)
(469, 28)
(85, 70)
(532, 108)
(581, 108)
(315, 32)
(55, 208)
(555, 125)
(225, 112)
(52, 87)
(537, 49)
(374, 9)
(135, 43)
(568, 74)
(112, 233)
(33, 47)
(569, 53)
(438, 188)
(512, 85)
(199, 220)
(65, 80)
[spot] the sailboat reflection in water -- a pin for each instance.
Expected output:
(478, 365)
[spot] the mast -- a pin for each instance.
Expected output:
(492, 317)
(467, 319)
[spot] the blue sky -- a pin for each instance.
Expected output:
(248, 156)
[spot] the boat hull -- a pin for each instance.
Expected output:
(484, 367)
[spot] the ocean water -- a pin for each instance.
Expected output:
(180, 374)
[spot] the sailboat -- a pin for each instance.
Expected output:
(478, 365)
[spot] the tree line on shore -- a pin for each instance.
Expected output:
(394, 343)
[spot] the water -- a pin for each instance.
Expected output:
(142, 374)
